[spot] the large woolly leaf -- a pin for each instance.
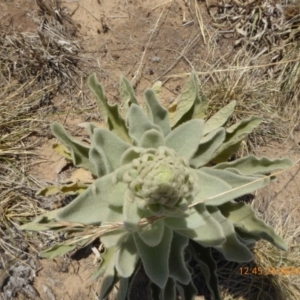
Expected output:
(188, 105)
(131, 214)
(220, 186)
(208, 267)
(93, 205)
(159, 115)
(110, 147)
(178, 268)
(123, 288)
(109, 279)
(139, 123)
(152, 139)
(207, 147)
(127, 94)
(126, 257)
(152, 233)
(220, 118)
(185, 138)
(110, 113)
(243, 217)
(156, 259)
(169, 292)
(79, 152)
(114, 238)
(187, 291)
(106, 258)
(232, 248)
(200, 226)
(234, 137)
(254, 165)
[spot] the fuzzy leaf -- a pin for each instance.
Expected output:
(126, 257)
(188, 105)
(123, 289)
(79, 152)
(159, 115)
(114, 238)
(208, 267)
(57, 250)
(93, 206)
(139, 123)
(169, 292)
(106, 258)
(152, 139)
(129, 155)
(110, 148)
(185, 139)
(253, 165)
(156, 87)
(234, 137)
(156, 259)
(152, 233)
(127, 94)
(73, 188)
(62, 150)
(110, 113)
(109, 278)
(232, 248)
(187, 291)
(199, 226)
(220, 186)
(178, 268)
(131, 214)
(243, 217)
(220, 118)
(207, 147)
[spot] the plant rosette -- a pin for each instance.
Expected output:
(163, 192)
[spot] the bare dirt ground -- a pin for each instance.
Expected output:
(146, 41)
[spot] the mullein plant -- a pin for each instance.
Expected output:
(162, 192)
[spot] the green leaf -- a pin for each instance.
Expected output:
(114, 238)
(220, 186)
(106, 258)
(152, 233)
(243, 217)
(62, 150)
(178, 268)
(110, 113)
(207, 147)
(188, 105)
(199, 226)
(156, 87)
(220, 118)
(123, 289)
(156, 259)
(234, 137)
(109, 279)
(79, 152)
(67, 189)
(139, 123)
(129, 155)
(93, 205)
(110, 148)
(187, 291)
(126, 257)
(127, 94)
(253, 165)
(185, 139)
(208, 267)
(152, 139)
(169, 292)
(232, 248)
(57, 250)
(159, 115)
(131, 214)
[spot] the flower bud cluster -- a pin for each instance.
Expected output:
(159, 176)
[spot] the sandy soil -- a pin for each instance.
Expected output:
(142, 40)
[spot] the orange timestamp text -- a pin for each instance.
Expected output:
(269, 271)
